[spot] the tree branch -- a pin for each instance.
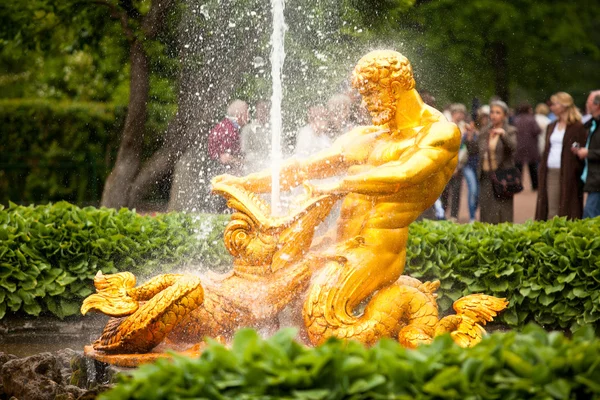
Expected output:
(156, 17)
(116, 13)
(130, 9)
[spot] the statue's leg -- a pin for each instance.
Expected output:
(170, 299)
(403, 311)
(367, 265)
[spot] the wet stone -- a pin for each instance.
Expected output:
(65, 375)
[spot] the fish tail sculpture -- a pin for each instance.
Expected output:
(142, 320)
(406, 309)
(472, 312)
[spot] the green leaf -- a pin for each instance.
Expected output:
(65, 279)
(566, 278)
(580, 292)
(10, 286)
(545, 299)
(32, 308)
(559, 389)
(69, 307)
(364, 385)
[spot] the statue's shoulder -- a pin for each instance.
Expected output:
(366, 130)
(361, 134)
(440, 133)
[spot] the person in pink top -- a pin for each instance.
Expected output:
(224, 140)
(225, 148)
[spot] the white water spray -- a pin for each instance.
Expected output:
(277, 58)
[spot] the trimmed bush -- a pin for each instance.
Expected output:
(54, 150)
(549, 271)
(529, 365)
(50, 254)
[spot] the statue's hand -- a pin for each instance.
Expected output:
(310, 191)
(226, 179)
(332, 188)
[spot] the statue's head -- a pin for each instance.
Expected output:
(380, 77)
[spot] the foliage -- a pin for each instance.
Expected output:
(528, 365)
(61, 50)
(55, 150)
(486, 47)
(71, 50)
(550, 271)
(50, 254)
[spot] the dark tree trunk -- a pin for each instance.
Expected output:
(117, 188)
(118, 183)
(203, 91)
(500, 68)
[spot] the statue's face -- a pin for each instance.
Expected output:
(379, 101)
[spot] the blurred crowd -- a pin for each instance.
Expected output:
(553, 141)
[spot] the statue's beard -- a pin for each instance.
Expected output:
(383, 116)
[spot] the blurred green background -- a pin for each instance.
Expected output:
(77, 77)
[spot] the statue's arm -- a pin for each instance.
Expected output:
(350, 149)
(435, 147)
(294, 172)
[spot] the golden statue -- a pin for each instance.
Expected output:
(387, 175)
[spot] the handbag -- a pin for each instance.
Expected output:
(506, 182)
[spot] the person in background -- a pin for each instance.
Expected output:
(497, 144)
(483, 117)
(224, 142)
(256, 139)
(591, 154)
(541, 117)
(528, 132)
(451, 193)
(447, 113)
(313, 137)
(588, 106)
(560, 187)
(469, 171)
(224, 147)
(428, 98)
(338, 114)
(551, 116)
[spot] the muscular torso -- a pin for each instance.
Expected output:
(361, 214)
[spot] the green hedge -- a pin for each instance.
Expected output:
(50, 254)
(550, 271)
(54, 150)
(529, 365)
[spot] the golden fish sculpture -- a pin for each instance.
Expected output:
(346, 284)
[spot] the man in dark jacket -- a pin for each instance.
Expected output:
(591, 154)
(528, 132)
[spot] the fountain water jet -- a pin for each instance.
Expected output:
(277, 59)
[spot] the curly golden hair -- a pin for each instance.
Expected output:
(382, 67)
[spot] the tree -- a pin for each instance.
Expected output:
(499, 47)
(138, 27)
(224, 51)
(81, 48)
(59, 50)
(217, 42)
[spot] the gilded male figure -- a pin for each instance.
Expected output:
(389, 174)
